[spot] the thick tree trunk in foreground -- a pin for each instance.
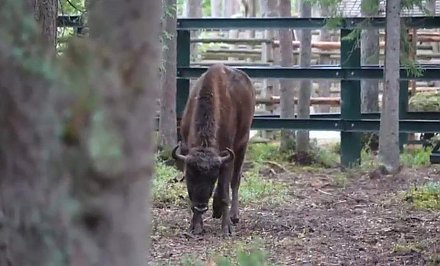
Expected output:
(302, 137)
(92, 207)
(286, 85)
(167, 122)
(389, 122)
(370, 55)
(32, 228)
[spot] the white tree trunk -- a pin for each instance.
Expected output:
(302, 137)
(389, 122)
(286, 85)
(216, 8)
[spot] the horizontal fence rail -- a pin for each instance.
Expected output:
(430, 72)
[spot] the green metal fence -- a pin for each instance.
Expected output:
(350, 122)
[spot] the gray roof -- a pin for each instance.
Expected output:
(352, 8)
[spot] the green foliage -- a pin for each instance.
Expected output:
(426, 197)
(165, 188)
(415, 157)
(72, 6)
(258, 152)
(242, 253)
(255, 189)
(425, 102)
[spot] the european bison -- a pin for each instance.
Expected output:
(215, 133)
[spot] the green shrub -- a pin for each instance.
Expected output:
(426, 196)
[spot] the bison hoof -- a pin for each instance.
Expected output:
(227, 231)
(235, 220)
(196, 230)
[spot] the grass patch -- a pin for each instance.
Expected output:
(241, 253)
(407, 248)
(416, 157)
(254, 188)
(425, 197)
(258, 152)
(165, 190)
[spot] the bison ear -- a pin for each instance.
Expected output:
(226, 156)
(176, 154)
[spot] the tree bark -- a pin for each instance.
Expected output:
(91, 206)
(324, 85)
(370, 55)
(44, 12)
(286, 85)
(29, 217)
(216, 7)
(389, 122)
(167, 122)
(302, 137)
(268, 8)
(193, 9)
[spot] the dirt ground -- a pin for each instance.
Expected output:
(365, 222)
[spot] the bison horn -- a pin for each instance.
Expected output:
(176, 155)
(228, 157)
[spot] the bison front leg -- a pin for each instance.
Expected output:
(196, 226)
(224, 184)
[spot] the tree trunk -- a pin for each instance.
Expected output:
(193, 9)
(43, 12)
(91, 208)
(216, 7)
(167, 122)
(231, 8)
(302, 137)
(32, 228)
(286, 85)
(370, 55)
(268, 8)
(324, 85)
(389, 122)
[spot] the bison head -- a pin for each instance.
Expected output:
(202, 169)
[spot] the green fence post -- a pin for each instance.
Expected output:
(350, 99)
(403, 110)
(182, 60)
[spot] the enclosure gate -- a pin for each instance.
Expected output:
(350, 122)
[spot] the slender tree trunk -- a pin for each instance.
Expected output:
(302, 137)
(268, 8)
(167, 122)
(370, 55)
(389, 122)
(193, 9)
(216, 7)
(44, 11)
(286, 86)
(231, 7)
(324, 85)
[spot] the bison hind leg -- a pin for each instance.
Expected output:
(217, 206)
